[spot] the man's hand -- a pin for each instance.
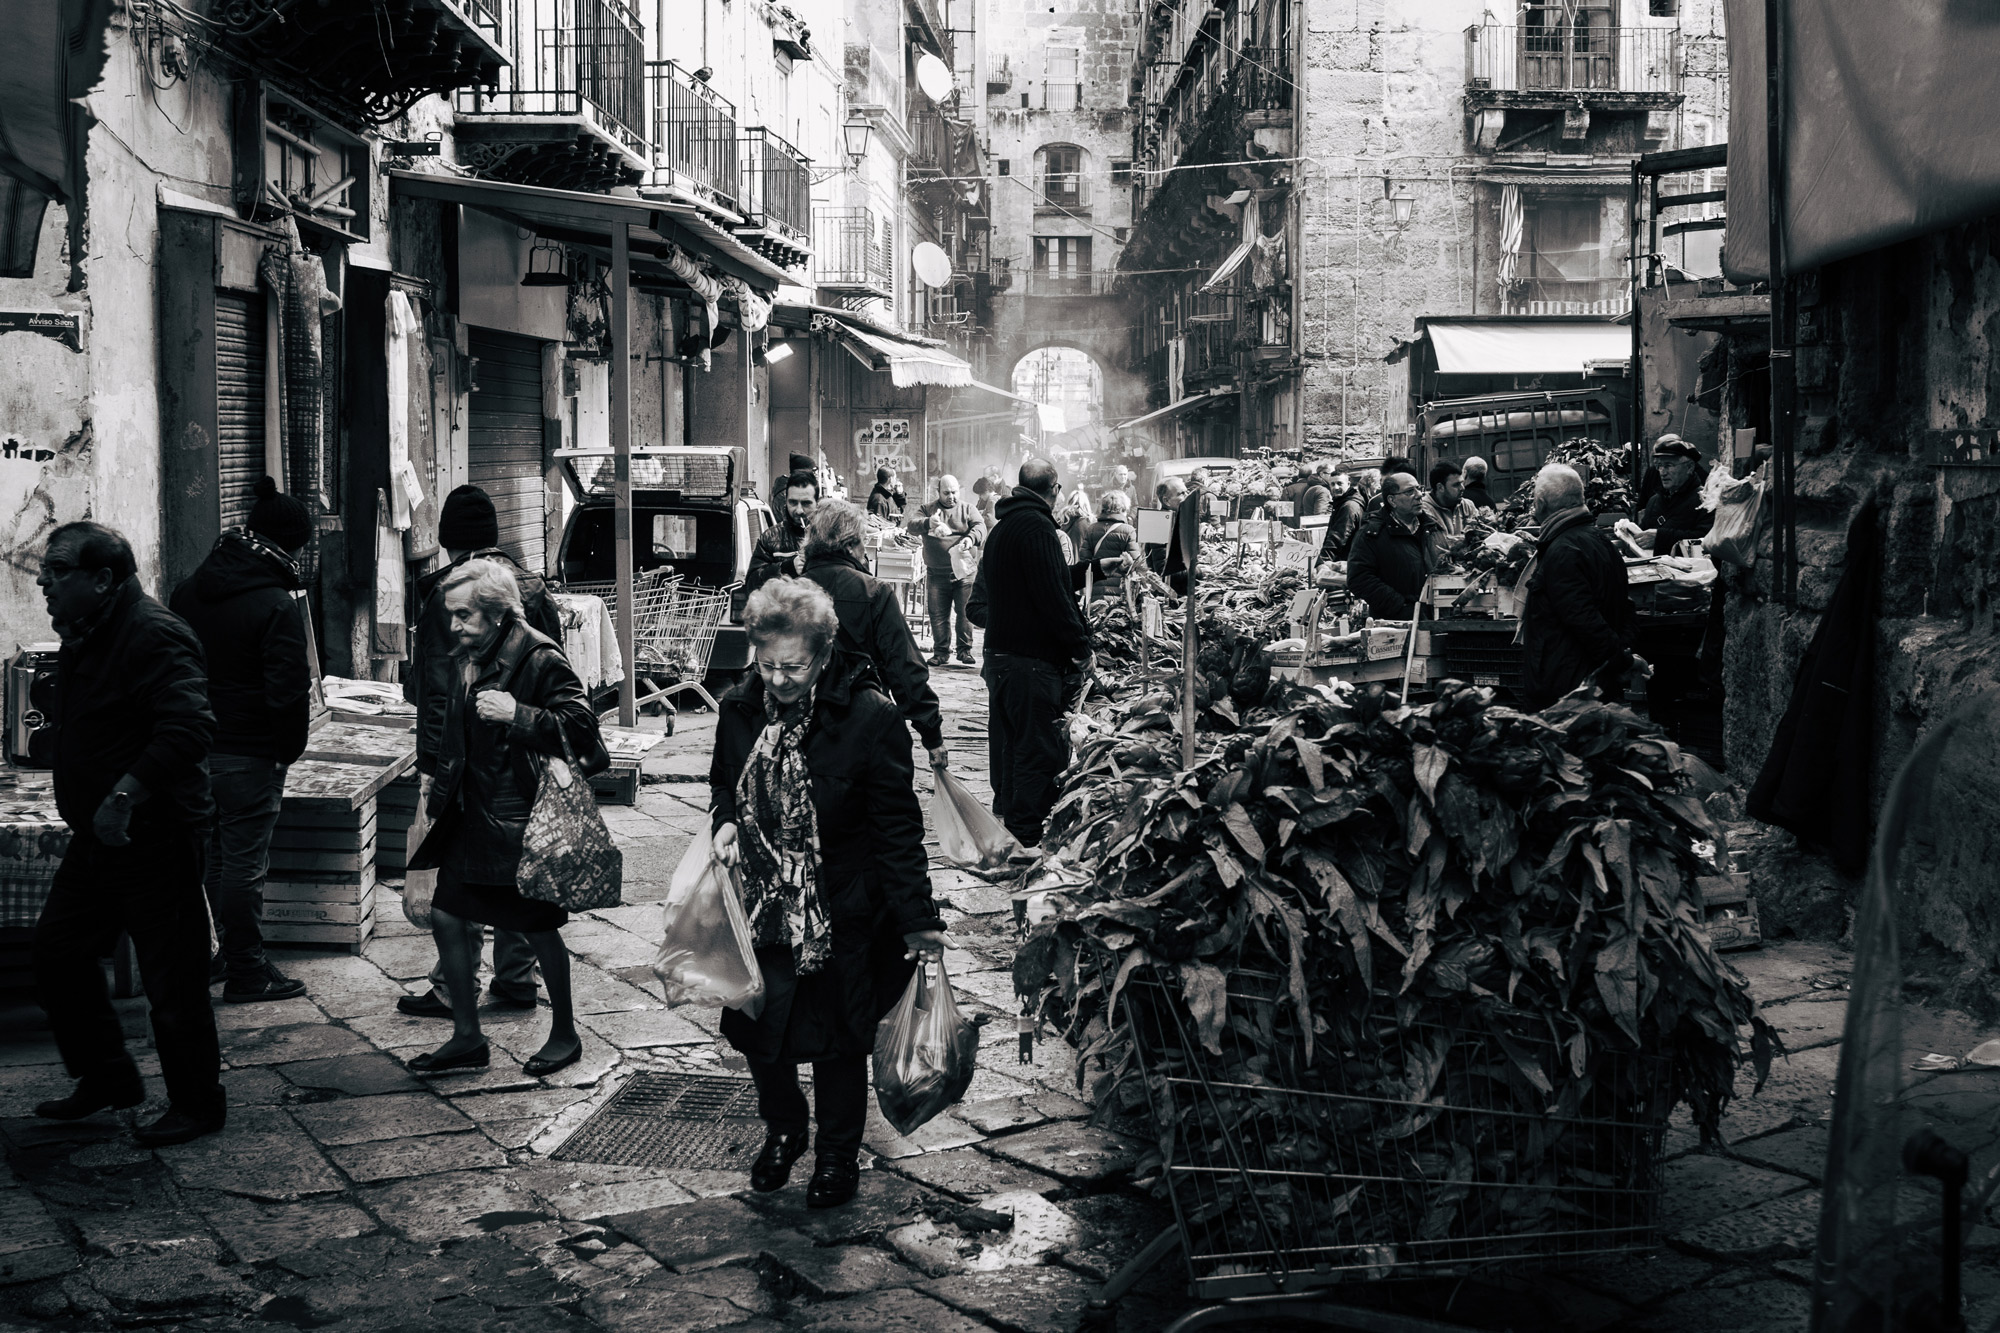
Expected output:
(940, 757)
(932, 942)
(113, 820)
(496, 706)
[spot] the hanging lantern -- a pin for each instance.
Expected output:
(548, 266)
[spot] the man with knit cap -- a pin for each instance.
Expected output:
(240, 604)
(468, 528)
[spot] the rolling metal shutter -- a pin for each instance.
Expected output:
(505, 459)
(240, 363)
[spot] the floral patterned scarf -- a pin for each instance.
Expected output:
(779, 833)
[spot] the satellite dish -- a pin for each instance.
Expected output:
(932, 264)
(934, 77)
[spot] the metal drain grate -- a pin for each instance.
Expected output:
(694, 1122)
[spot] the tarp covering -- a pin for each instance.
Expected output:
(1228, 267)
(56, 55)
(1525, 346)
(1891, 127)
(1171, 408)
(908, 364)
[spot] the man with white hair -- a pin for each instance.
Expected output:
(1576, 624)
(1475, 484)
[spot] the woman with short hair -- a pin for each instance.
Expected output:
(1110, 545)
(516, 696)
(814, 801)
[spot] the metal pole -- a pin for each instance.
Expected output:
(1187, 526)
(1784, 381)
(1638, 262)
(621, 449)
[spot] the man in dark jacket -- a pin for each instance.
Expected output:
(1674, 513)
(1377, 502)
(1392, 552)
(882, 501)
(1349, 512)
(132, 731)
(1475, 484)
(781, 549)
(1037, 646)
(871, 620)
(240, 604)
(1577, 621)
(468, 528)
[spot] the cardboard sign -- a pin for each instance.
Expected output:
(1233, 530)
(1152, 618)
(1294, 555)
(1218, 507)
(1255, 530)
(1281, 508)
(1314, 537)
(1156, 526)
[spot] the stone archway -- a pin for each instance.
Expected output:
(1065, 378)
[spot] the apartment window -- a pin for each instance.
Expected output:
(1005, 165)
(1061, 168)
(1563, 266)
(1062, 266)
(1062, 89)
(1663, 9)
(1121, 171)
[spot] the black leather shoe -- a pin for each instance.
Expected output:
(427, 1005)
(773, 1166)
(114, 1090)
(836, 1175)
(176, 1127)
(271, 984)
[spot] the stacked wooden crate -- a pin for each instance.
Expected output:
(321, 886)
(397, 815)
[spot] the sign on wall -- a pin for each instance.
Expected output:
(884, 442)
(66, 329)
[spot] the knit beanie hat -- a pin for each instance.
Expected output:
(280, 517)
(468, 522)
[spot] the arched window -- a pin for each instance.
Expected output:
(1060, 176)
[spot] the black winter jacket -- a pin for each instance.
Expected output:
(872, 626)
(1677, 518)
(1388, 564)
(1027, 606)
(429, 682)
(882, 504)
(132, 697)
(1579, 616)
(240, 605)
(874, 876)
(486, 778)
(772, 556)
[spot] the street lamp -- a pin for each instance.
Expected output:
(1400, 201)
(855, 134)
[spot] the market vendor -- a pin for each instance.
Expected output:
(882, 501)
(1446, 506)
(1392, 553)
(1577, 619)
(1169, 493)
(1674, 514)
(1475, 484)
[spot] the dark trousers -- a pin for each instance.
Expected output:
(996, 742)
(248, 792)
(944, 595)
(151, 889)
(1027, 704)
(840, 1097)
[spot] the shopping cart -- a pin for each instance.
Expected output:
(1291, 1177)
(674, 625)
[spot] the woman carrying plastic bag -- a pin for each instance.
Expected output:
(705, 956)
(925, 1052)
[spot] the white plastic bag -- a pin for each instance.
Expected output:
(925, 1051)
(1732, 539)
(705, 956)
(968, 832)
(419, 886)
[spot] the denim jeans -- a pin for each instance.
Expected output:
(943, 595)
(248, 792)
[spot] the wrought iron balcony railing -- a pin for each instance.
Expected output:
(1263, 78)
(777, 185)
(849, 251)
(1064, 189)
(1579, 57)
(695, 140)
(571, 58)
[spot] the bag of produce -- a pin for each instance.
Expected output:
(705, 956)
(968, 832)
(925, 1052)
(1732, 540)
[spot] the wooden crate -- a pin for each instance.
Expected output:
(320, 889)
(398, 814)
(618, 784)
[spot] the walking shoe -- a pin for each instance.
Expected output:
(773, 1166)
(836, 1175)
(176, 1127)
(499, 1001)
(427, 1005)
(116, 1089)
(940, 661)
(270, 984)
(965, 659)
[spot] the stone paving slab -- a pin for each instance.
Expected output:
(256, 1231)
(881, 1204)
(969, 1174)
(1767, 1305)
(1702, 1186)
(368, 1119)
(637, 1029)
(257, 1085)
(799, 1269)
(1004, 1113)
(1782, 1228)
(262, 1154)
(32, 1245)
(352, 1075)
(1029, 1300)
(1801, 1151)
(1644, 1279)
(667, 1302)
(537, 1102)
(233, 1018)
(425, 1155)
(1075, 1153)
(291, 1044)
(894, 1311)
(1813, 1020)
(699, 1235)
(457, 1203)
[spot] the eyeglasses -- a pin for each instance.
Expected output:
(59, 571)
(785, 670)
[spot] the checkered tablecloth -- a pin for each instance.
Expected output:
(32, 842)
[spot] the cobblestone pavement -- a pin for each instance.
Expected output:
(345, 1194)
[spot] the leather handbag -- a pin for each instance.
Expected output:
(567, 855)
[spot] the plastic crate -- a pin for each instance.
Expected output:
(1478, 653)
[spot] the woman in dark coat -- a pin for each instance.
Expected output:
(1109, 545)
(815, 800)
(515, 695)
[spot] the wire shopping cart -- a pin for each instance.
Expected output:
(1291, 1177)
(674, 624)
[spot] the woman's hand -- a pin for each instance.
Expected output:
(723, 845)
(496, 706)
(933, 942)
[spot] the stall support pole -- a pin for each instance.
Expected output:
(621, 449)
(1783, 371)
(1188, 528)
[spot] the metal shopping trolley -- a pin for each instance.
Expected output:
(1293, 1177)
(674, 624)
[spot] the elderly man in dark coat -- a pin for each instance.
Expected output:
(1577, 622)
(1392, 552)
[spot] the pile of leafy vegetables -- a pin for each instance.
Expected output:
(1442, 969)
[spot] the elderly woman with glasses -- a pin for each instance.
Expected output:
(815, 803)
(1110, 545)
(515, 696)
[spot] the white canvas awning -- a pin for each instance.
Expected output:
(1526, 346)
(908, 364)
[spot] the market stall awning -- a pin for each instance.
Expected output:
(1004, 393)
(584, 219)
(1525, 346)
(1172, 409)
(1228, 268)
(907, 363)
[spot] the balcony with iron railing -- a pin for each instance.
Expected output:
(579, 63)
(697, 148)
(930, 143)
(1559, 64)
(1063, 192)
(1069, 282)
(777, 187)
(850, 257)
